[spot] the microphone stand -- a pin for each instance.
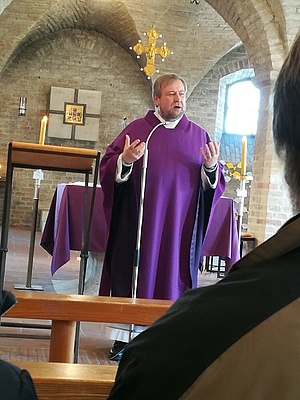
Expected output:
(136, 261)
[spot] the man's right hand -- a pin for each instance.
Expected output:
(134, 151)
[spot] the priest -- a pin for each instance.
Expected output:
(184, 181)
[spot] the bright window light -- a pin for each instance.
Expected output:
(242, 108)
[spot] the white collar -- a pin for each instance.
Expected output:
(169, 124)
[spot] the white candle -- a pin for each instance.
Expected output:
(43, 130)
(244, 156)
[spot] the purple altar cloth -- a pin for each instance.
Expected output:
(63, 228)
(221, 237)
(62, 231)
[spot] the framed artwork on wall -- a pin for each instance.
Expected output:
(74, 113)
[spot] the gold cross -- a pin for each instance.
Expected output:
(150, 50)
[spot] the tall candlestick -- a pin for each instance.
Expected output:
(43, 130)
(244, 157)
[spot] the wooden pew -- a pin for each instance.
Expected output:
(65, 309)
(65, 381)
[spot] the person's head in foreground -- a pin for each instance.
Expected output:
(240, 338)
(286, 122)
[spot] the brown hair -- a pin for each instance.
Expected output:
(165, 80)
(286, 119)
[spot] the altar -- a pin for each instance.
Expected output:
(221, 239)
(63, 227)
(62, 232)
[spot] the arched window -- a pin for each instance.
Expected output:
(241, 108)
(232, 108)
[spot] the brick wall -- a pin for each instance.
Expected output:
(81, 59)
(76, 59)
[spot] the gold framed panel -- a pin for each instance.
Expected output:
(74, 113)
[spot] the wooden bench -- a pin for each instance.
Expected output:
(65, 381)
(65, 310)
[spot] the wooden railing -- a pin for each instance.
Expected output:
(65, 310)
(63, 381)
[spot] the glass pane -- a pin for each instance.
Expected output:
(242, 108)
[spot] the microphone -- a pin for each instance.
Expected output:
(145, 159)
(141, 212)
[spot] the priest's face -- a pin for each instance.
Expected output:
(171, 104)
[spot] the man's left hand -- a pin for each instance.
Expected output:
(210, 154)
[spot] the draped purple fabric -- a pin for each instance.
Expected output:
(221, 237)
(63, 228)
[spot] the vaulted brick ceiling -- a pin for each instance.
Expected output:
(201, 32)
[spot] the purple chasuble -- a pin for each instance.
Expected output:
(176, 211)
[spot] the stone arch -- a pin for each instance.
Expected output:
(241, 67)
(261, 33)
(68, 14)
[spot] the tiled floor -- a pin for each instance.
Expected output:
(94, 345)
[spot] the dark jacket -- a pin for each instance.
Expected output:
(15, 383)
(237, 339)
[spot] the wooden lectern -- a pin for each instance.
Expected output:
(55, 158)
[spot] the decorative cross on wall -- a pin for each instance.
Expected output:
(151, 51)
